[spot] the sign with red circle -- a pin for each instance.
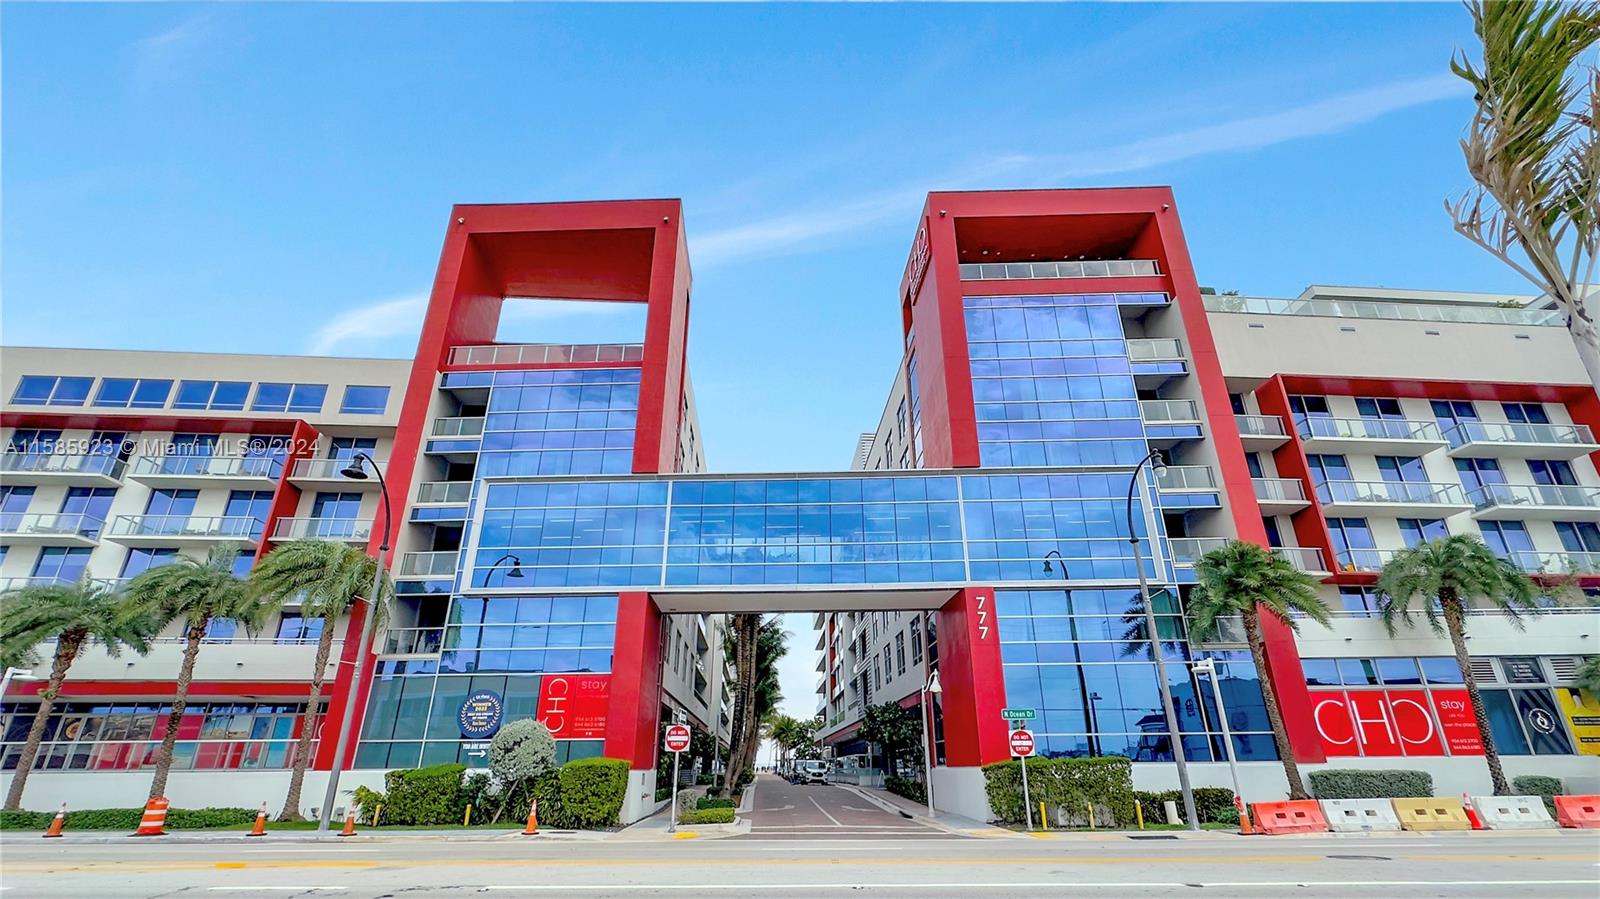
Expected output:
(677, 737)
(1022, 743)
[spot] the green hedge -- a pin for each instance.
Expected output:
(432, 795)
(592, 791)
(128, 819)
(1539, 785)
(1214, 805)
(1066, 786)
(911, 789)
(709, 802)
(1353, 783)
(717, 815)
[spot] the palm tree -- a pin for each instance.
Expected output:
(756, 646)
(328, 578)
(1531, 148)
(1587, 677)
(1244, 579)
(76, 616)
(1442, 576)
(197, 593)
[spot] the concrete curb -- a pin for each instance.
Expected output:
(179, 837)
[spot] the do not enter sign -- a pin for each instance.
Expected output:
(1022, 743)
(677, 737)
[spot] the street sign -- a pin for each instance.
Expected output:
(1022, 743)
(677, 737)
(1017, 714)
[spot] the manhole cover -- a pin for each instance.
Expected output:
(1362, 858)
(1152, 836)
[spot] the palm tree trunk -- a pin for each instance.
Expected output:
(308, 728)
(1269, 698)
(1456, 625)
(180, 702)
(746, 631)
(67, 646)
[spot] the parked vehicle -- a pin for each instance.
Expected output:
(813, 771)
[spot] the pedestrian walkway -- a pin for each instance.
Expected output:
(785, 811)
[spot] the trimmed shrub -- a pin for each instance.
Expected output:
(592, 791)
(710, 802)
(704, 780)
(1353, 783)
(1539, 785)
(522, 749)
(720, 815)
(128, 819)
(905, 786)
(663, 793)
(424, 795)
(1214, 805)
(1067, 787)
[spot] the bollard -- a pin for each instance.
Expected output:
(1090, 807)
(1171, 808)
(349, 823)
(1044, 821)
(260, 830)
(377, 812)
(533, 820)
(1138, 813)
(466, 819)
(59, 822)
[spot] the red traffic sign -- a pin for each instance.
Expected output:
(1022, 743)
(678, 737)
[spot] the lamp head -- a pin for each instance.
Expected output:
(516, 568)
(933, 684)
(356, 470)
(1047, 567)
(1158, 463)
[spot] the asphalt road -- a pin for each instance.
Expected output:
(813, 812)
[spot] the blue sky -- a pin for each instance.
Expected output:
(276, 178)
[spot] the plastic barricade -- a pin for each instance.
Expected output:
(1357, 815)
(1578, 811)
(1513, 812)
(1300, 816)
(1437, 813)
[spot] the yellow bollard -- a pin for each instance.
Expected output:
(1044, 821)
(1090, 807)
(1138, 813)
(466, 819)
(376, 814)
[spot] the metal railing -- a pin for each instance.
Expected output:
(328, 470)
(1534, 495)
(403, 641)
(427, 564)
(89, 756)
(220, 527)
(50, 524)
(542, 353)
(266, 467)
(458, 427)
(61, 463)
(1467, 432)
(1283, 490)
(1417, 492)
(1186, 477)
(1556, 562)
(1113, 268)
(1260, 426)
(9, 584)
(1185, 550)
(1415, 312)
(1368, 429)
(1153, 349)
(444, 491)
(1303, 558)
(359, 529)
(1363, 559)
(1169, 410)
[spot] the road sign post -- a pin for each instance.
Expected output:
(677, 740)
(1022, 747)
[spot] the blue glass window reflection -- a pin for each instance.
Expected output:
(560, 422)
(559, 634)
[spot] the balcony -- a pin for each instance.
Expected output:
(1185, 550)
(199, 472)
(546, 353)
(426, 566)
(1031, 271)
(1187, 487)
(49, 529)
(1359, 561)
(1170, 422)
(456, 439)
(444, 493)
(1155, 360)
(8, 584)
(1520, 440)
(1396, 436)
(1260, 433)
(1307, 559)
(458, 427)
(1556, 563)
(349, 530)
(326, 474)
(1398, 498)
(1407, 312)
(412, 641)
(1280, 496)
(165, 530)
(1543, 502)
(44, 469)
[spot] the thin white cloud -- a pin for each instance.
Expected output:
(398, 317)
(160, 55)
(1322, 117)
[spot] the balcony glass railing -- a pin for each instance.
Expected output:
(327, 469)
(1185, 550)
(358, 529)
(1363, 559)
(60, 463)
(1534, 495)
(1412, 492)
(1414, 312)
(266, 467)
(434, 564)
(403, 641)
(545, 353)
(1311, 428)
(8, 584)
(444, 491)
(1556, 563)
(1259, 426)
(458, 427)
(1186, 477)
(1282, 490)
(1169, 410)
(1151, 349)
(1004, 271)
(235, 527)
(50, 524)
(1468, 432)
(1303, 558)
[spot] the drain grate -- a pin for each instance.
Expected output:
(1151, 836)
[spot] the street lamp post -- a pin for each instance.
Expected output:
(1208, 666)
(929, 689)
(356, 470)
(1158, 465)
(515, 571)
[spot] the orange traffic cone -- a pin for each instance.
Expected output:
(260, 830)
(1244, 817)
(153, 823)
(59, 822)
(1472, 813)
(533, 820)
(349, 823)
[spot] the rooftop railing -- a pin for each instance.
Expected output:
(545, 353)
(1416, 312)
(1114, 268)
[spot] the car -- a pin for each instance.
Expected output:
(812, 772)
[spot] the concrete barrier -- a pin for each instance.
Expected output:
(1437, 813)
(1513, 812)
(1300, 816)
(1356, 815)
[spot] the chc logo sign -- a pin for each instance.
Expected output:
(1395, 722)
(917, 264)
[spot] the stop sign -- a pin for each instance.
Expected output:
(1022, 743)
(678, 737)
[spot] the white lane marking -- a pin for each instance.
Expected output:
(276, 889)
(314, 849)
(989, 884)
(824, 811)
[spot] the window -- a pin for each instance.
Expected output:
(1399, 671)
(1441, 670)
(1420, 530)
(345, 448)
(916, 640)
(360, 400)
(1352, 541)
(226, 396)
(176, 503)
(13, 502)
(1378, 407)
(1552, 472)
(296, 628)
(273, 397)
(49, 390)
(141, 559)
(252, 504)
(1475, 473)
(1526, 413)
(1253, 462)
(1579, 536)
(1453, 412)
(1236, 403)
(1325, 468)
(31, 440)
(1506, 537)
(1402, 468)
(1310, 406)
(62, 564)
(92, 504)
(1358, 600)
(343, 506)
(133, 393)
(900, 652)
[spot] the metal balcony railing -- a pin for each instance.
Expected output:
(219, 527)
(1416, 312)
(1154, 349)
(1303, 558)
(1534, 495)
(1311, 427)
(50, 524)
(1169, 410)
(326, 469)
(458, 427)
(545, 353)
(1115, 268)
(1468, 432)
(9, 584)
(1556, 562)
(61, 463)
(266, 467)
(353, 529)
(1363, 559)
(1400, 492)
(404, 641)
(1186, 477)
(1259, 426)
(444, 491)
(1185, 550)
(1283, 490)
(427, 564)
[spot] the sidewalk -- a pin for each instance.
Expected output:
(946, 821)
(362, 835)
(654, 828)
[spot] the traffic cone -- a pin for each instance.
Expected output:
(349, 823)
(533, 820)
(59, 822)
(260, 830)
(153, 823)
(1244, 817)
(1472, 813)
